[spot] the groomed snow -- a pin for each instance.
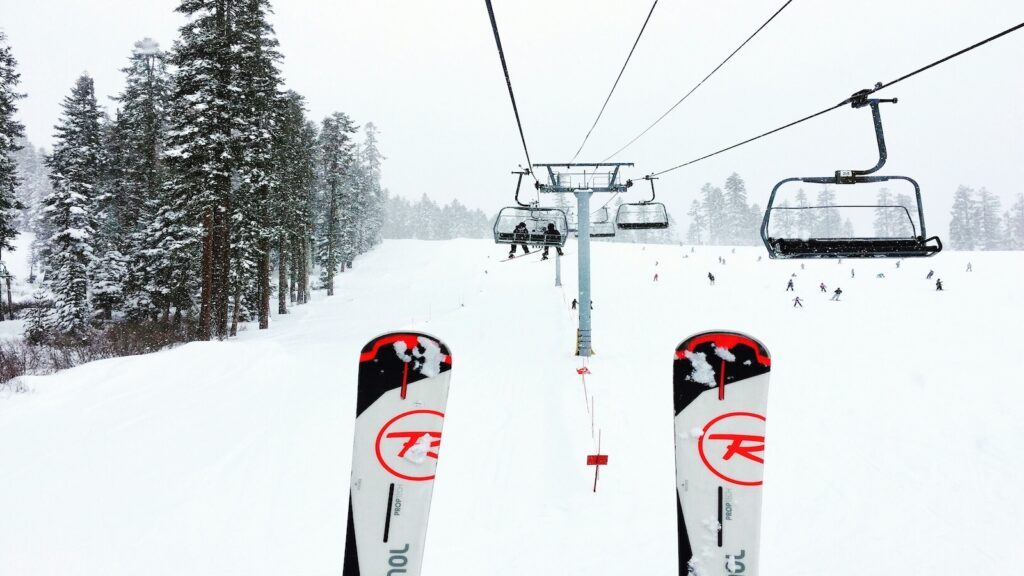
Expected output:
(893, 442)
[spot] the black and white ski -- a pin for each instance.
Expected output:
(403, 388)
(720, 384)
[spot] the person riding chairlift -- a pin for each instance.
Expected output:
(552, 236)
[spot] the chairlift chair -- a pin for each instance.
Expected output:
(917, 244)
(601, 226)
(644, 215)
(536, 218)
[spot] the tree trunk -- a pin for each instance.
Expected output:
(206, 301)
(263, 270)
(237, 311)
(222, 288)
(282, 276)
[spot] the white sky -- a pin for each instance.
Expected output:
(427, 73)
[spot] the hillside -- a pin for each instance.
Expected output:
(892, 441)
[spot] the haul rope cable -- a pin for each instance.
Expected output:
(698, 85)
(865, 93)
(511, 95)
(624, 64)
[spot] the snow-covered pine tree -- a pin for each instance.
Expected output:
(1015, 224)
(291, 207)
(202, 151)
(698, 222)
(713, 206)
(829, 223)
(989, 224)
(76, 170)
(783, 222)
(905, 218)
(806, 220)
(962, 224)
(10, 132)
(141, 125)
(372, 161)
(38, 318)
(257, 103)
(737, 212)
(885, 218)
(335, 162)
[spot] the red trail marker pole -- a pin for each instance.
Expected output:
(597, 460)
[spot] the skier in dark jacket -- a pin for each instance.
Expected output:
(837, 293)
(519, 234)
(574, 303)
(798, 302)
(930, 274)
(552, 235)
(711, 278)
(938, 284)
(789, 286)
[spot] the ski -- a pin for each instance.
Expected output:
(720, 390)
(402, 392)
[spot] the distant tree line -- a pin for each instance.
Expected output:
(426, 220)
(720, 217)
(177, 208)
(977, 221)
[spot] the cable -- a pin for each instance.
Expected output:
(694, 89)
(594, 125)
(861, 94)
(508, 81)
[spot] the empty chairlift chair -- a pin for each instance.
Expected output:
(646, 215)
(914, 243)
(601, 226)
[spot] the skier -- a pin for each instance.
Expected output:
(789, 286)
(519, 234)
(797, 302)
(938, 284)
(835, 295)
(574, 302)
(655, 276)
(711, 277)
(758, 258)
(822, 286)
(552, 235)
(929, 276)
(969, 267)
(852, 275)
(898, 263)
(880, 275)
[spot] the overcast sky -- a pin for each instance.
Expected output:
(427, 73)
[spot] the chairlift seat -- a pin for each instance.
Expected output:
(642, 216)
(917, 246)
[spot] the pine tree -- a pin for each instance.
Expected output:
(76, 170)
(140, 130)
(336, 158)
(990, 233)
(713, 206)
(829, 223)
(697, 223)
(783, 221)
(736, 211)
(257, 105)
(806, 219)
(962, 226)
(1015, 224)
(10, 132)
(885, 216)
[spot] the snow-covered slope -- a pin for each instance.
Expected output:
(893, 427)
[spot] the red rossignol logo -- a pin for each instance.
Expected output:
(407, 444)
(732, 447)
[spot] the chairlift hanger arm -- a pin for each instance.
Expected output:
(519, 183)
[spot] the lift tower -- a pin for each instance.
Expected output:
(583, 180)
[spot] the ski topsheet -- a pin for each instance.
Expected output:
(403, 388)
(720, 384)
